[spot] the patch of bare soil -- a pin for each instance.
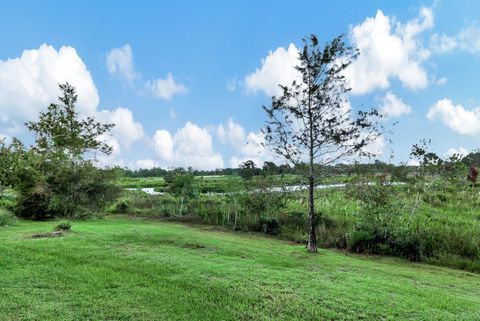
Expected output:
(47, 235)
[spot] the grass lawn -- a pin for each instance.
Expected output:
(123, 269)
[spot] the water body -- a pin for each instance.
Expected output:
(292, 188)
(148, 190)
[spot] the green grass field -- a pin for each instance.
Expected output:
(124, 269)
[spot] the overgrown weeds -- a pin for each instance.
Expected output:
(429, 224)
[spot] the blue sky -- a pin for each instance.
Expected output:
(185, 80)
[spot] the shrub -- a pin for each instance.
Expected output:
(6, 217)
(122, 207)
(8, 201)
(63, 226)
(408, 244)
(295, 219)
(362, 241)
(50, 190)
(211, 210)
(436, 199)
(142, 204)
(269, 226)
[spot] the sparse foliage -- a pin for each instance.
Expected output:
(311, 120)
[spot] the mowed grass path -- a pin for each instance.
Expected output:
(122, 269)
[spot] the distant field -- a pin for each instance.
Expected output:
(223, 183)
(122, 269)
(129, 182)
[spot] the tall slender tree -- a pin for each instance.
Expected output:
(311, 121)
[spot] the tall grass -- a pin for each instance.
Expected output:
(6, 217)
(439, 225)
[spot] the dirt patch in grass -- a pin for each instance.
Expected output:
(193, 246)
(187, 245)
(47, 235)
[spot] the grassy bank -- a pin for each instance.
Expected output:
(119, 269)
(438, 224)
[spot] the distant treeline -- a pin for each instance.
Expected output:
(161, 172)
(270, 168)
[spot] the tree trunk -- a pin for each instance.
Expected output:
(312, 220)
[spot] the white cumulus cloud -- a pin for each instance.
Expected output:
(232, 134)
(145, 163)
(114, 159)
(441, 43)
(126, 129)
(120, 63)
(165, 88)
(456, 117)
(253, 149)
(163, 144)
(245, 146)
(393, 106)
(277, 68)
(389, 49)
(441, 81)
(467, 39)
(461, 151)
(191, 146)
(29, 83)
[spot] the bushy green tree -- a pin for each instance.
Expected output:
(56, 179)
(248, 169)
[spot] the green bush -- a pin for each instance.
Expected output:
(211, 210)
(269, 226)
(295, 219)
(48, 190)
(138, 203)
(64, 226)
(6, 217)
(8, 199)
(122, 207)
(362, 241)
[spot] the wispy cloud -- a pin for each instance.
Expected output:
(120, 64)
